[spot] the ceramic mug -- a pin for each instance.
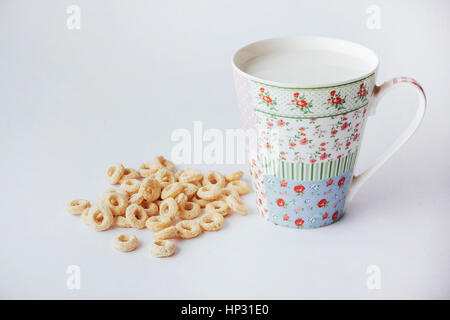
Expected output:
(308, 100)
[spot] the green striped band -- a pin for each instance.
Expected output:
(304, 171)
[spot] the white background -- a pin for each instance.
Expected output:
(74, 101)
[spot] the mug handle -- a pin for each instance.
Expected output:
(378, 93)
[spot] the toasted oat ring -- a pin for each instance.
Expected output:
(188, 229)
(166, 163)
(150, 189)
(189, 189)
(209, 192)
(122, 222)
(168, 208)
(190, 175)
(76, 207)
(181, 198)
(234, 176)
(117, 202)
(201, 202)
(162, 248)
(171, 190)
(136, 198)
(240, 186)
(114, 173)
(85, 216)
(228, 192)
(129, 173)
(189, 210)
(215, 178)
(157, 223)
(237, 205)
(107, 192)
(219, 207)
(130, 186)
(125, 242)
(150, 208)
(136, 216)
(165, 177)
(100, 218)
(149, 168)
(211, 221)
(166, 233)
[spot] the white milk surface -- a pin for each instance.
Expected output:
(306, 67)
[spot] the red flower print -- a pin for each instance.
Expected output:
(330, 182)
(337, 100)
(325, 216)
(280, 123)
(267, 99)
(339, 156)
(332, 93)
(355, 137)
(286, 217)
(323, 156)
(303, 141)
(299, 222)
(270, 124)
(301, 103)
(267, 145)
(292, 144)
(323, 149)
(335, 214)
(341, 181)
(301, 128)
(296, 95)
(283, 183)
(348, 144)
(253, 162)
(361, 85)
(322, 203)
(313, 160)
(259, 200)
(333, 132)
(261, 89)
(313, 119)
(344, 118)
(280, 202)
(322, 144)
(299, 188)
(344, 126)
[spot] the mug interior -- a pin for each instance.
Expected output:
(305, 62)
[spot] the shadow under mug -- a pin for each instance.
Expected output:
(308, 132)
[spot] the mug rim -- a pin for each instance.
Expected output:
(365, 54)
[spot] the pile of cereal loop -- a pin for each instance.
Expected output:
(164, 201)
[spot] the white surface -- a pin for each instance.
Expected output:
(73, 102)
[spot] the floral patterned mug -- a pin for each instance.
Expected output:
(308, 99)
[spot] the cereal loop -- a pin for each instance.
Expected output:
(114, 173)
(76, 207)
(166, 163)
(167, 233)
(100, 218)
(117, 202)
(181, 198)
(234, 176)
(162, 248)
(129, 173)
(209, 192)
(228, 192)
(125, 242)
(240, 186)
(130, 186)
(190, 175)
(201, 202)
(136, 198)
(157, 223)
(122, 222)
(188, 229)
(168, 208)
(150, 189)
(150, 208)
(189, 189)
(85, 216)
(189, 210)
(136, 216)
(237, 205)
(214, 178)
(211, 222)
(219, 207)
(165, 177)
(149, 168)
(171, 190)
